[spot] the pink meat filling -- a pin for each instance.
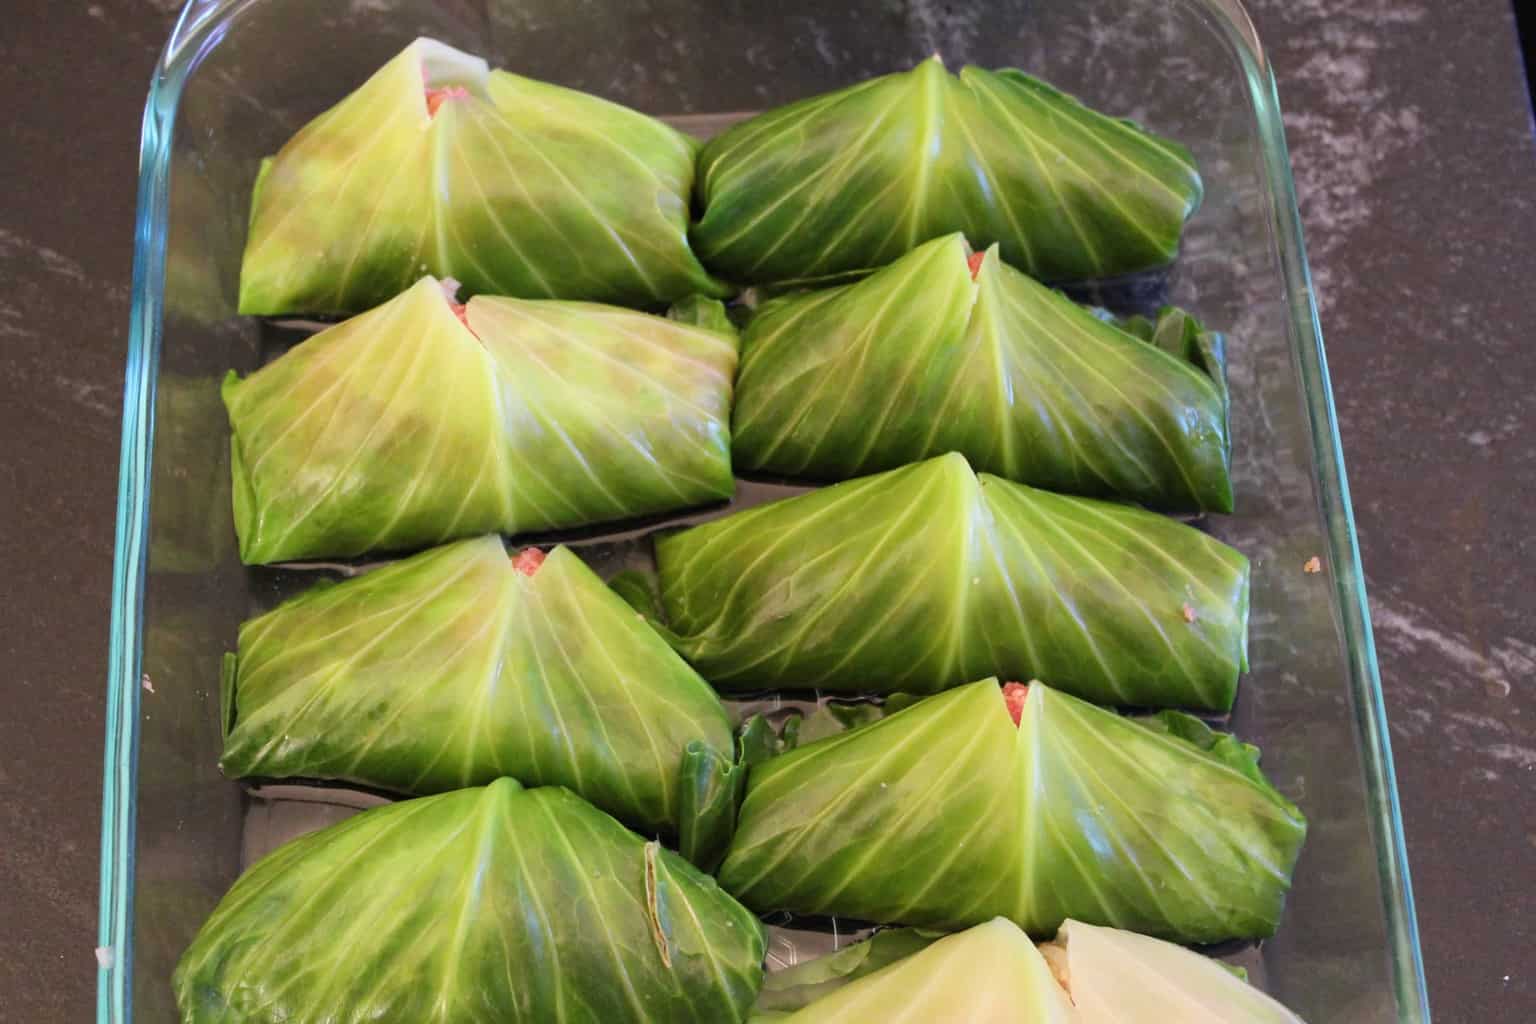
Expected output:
(974, 262)
(1014, 695)
(528, 560)
(459, 309)
(437, 97)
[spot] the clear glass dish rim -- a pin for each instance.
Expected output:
(199, 29)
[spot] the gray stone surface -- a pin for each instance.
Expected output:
(1412, 141)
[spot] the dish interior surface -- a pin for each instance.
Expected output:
(242, 76)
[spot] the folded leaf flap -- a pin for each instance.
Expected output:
(614, 413)
(1118, 976)
(757, 741)
(1177, 152)
(442, 66)
(1112, 603)
(709, 788)
(243, 502)
(1224, 747)
(703, 311)
(847, 587)
(229, 668)
(262, 170)
(1181, 335)
(1140, 828)
(349, 443)
(835, 826)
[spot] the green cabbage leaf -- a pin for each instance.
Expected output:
(796, 987)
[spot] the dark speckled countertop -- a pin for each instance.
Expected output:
(1412, 139)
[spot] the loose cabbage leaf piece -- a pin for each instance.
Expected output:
(852, 179)
(991, 973)
(1119, 977)
(926, 577)
(1182, 336)
(407, 426)
(438, 165)
(796, 987)
(946, 351)
(499, 904)
(453, 667)
(946, 814)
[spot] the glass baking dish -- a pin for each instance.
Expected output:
(239, 76)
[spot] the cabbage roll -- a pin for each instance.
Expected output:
(1024, 803)
(852, 179)
(929, 576)
(493, 904)
(439, 165)
(461, 664)
(946, 350)
(410, 425)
